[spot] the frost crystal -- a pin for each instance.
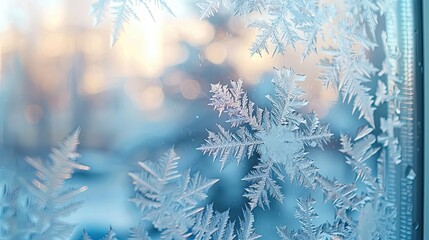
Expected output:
(247, 231)
(171, 202)
(376, 219)
(366, 208)
(280, 136)
(284, 22)
(306, 215)
(210, 224)
(347, 67)
(38, 213)
(356, 156)
(14, 221)
(51, 201)
(139, 233)
(111, 235)
(168, 199)
(123, 11)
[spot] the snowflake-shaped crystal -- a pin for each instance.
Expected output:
(280, 135)
(168, 199)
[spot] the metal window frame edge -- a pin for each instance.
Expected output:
(425, 9)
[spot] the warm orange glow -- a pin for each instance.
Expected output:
(175, 54)
(54, 16)
(216, 53)
(55, 44)
(142, 46)
(94, 44)
(1, 60)
(196, 32)
(93, 82)
(144, 96)
(150, 99)
(190, 89)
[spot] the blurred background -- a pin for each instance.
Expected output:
(136, 100)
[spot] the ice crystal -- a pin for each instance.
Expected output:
(15, 222)
(365, 208)
(247, 231)
(123, 11)
(168, 199)
(376, 220)
(306, 215)
(375, 217)
(210, 7)
(377, 213)
(283, 23)
(280, 136)
(111, 235)
(356, 156)
(348, 69)
(171, 202)
(37, 212)
(343, 196)
(213, 225)
(139, 233)
(287, 23)
(263, 185)
(387, 205)
(51, 201)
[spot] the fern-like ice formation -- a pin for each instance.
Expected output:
(168, 199)
(38, 213)
(14, 208)
(306, 215)
(123, 11)
(283, 23)
(347, 67)
(280, 136)
(171, 202)
(139, 233)
(111, 235)
(52, 202)
(376, 214)
(247, 231)
(210, 224)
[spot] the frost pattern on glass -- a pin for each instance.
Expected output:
(247, 231)
(280, 136)
(285, 23)
(306, 215)
(37, 212)
(14, 223)
(210, 224)
(168, 199)
(345, 66)
(111, 235)
(369, 207)
(368, 213)
(171, 202)
(123, 11)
